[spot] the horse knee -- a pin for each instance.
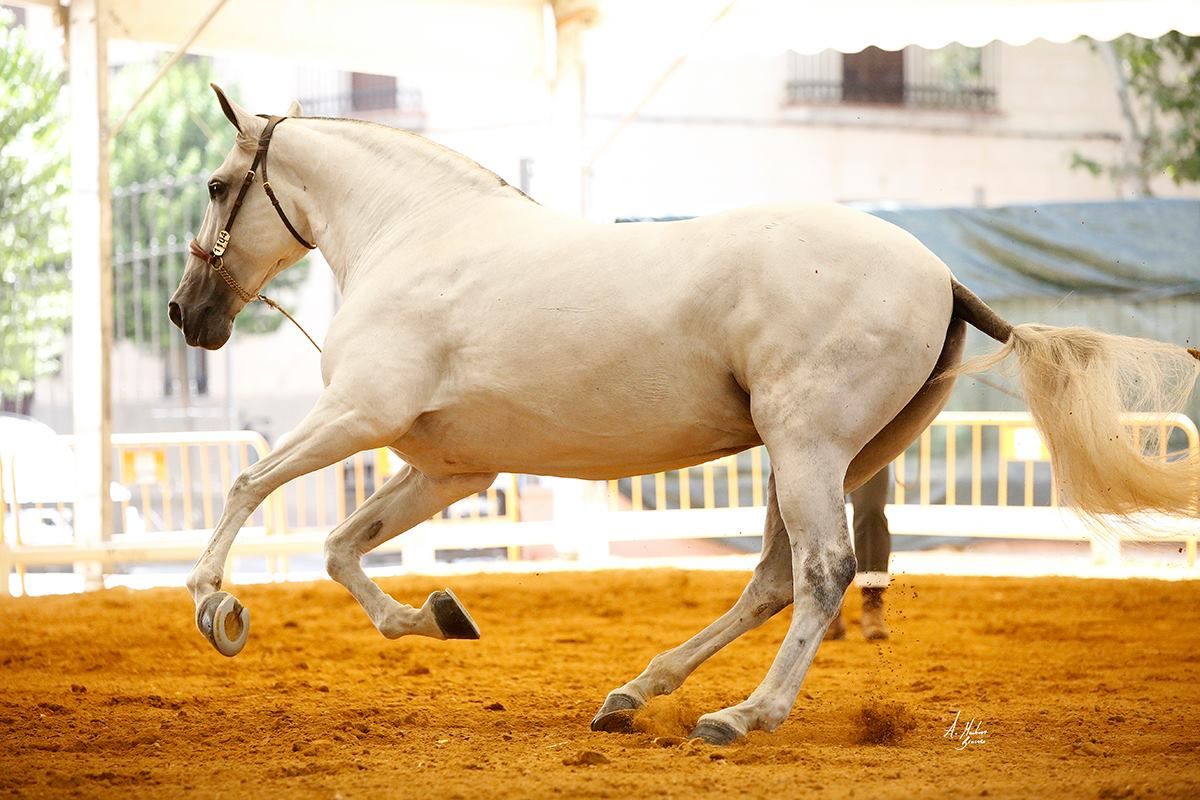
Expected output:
(247, 488)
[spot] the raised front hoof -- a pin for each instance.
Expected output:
(616, 715)
(452, 619)
(224, 622)
(715, 732)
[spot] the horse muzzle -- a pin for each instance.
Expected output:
(202, 325)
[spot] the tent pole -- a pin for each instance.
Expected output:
(91, 278)
(179, 53)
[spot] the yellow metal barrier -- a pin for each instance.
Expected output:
(1007, 466)
(321, 500)
(1009, 444)
(178, 482)
(949, 482)
(926, 473)
(171, 490)
(736, 481)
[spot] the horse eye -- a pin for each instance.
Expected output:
(215, 189)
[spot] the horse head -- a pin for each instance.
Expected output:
(229, 265)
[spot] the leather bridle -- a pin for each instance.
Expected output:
(215, 256)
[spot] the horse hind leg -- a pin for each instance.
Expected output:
(808, 471)
(768, 592)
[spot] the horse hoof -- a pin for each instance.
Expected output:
(715, 732)
(452, 619)
(224, 622)
(616, 715)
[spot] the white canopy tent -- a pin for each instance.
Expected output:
(534, 38)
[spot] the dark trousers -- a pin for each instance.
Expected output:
(872, 541)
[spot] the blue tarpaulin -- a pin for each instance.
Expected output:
(1137, 250)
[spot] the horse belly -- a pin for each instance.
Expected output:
(578, 432)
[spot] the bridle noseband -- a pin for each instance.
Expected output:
(215, 257)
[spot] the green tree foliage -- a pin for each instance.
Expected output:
(1161, 102)
(35, 300)
(160, 160)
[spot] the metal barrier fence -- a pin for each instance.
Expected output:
(169, 492)
(1007, 465)
(949, 482)
(967, 475)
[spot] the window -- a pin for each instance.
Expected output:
(18, 15)
(873, 76)
(372, 92)
(953, 77)
(361, 95)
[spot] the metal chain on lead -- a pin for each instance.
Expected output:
(218, 264)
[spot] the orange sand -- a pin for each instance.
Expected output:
(1086, 689)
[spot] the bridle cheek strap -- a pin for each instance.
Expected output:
(215, 257)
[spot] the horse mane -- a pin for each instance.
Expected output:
(470, 165)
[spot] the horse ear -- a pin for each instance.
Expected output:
(294, 110)
(233, 112)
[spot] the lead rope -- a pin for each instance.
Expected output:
(268, 301)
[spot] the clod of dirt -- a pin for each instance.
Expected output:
(666, 716)
(586, 758)
(668, 741)
(419, 669)
(414, 718)
(882, 723)
(78, 688)
(497, 706)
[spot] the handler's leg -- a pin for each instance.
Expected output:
(808, 474)
(769, 591)
(332, 431)
(407, 498)
(873, 548)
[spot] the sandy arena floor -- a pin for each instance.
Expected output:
(1085, 688)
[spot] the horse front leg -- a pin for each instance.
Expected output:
(334, 430)
(768, 592)
(407, 498)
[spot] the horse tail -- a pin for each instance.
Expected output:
(1077, 383)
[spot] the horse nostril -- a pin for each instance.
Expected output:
(175, 313)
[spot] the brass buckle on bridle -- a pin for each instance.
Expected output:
(222, 242)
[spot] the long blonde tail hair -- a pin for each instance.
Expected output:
(1077, 383)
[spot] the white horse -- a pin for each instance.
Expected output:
(481, 332)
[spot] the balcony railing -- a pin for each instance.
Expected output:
(954, 78)
(399, 107)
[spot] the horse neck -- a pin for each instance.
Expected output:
(372, 192)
